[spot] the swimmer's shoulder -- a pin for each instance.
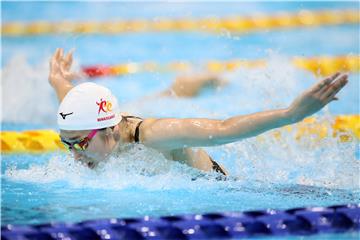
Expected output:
(144, 128)
(156, 129)
(137, 125)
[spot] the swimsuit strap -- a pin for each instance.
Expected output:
(216, 167)
(137, 130)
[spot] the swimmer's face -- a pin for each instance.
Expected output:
(98, 148)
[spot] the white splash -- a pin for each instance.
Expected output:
(264, 161)
(135, 166)
(27, 96)
(308, 161)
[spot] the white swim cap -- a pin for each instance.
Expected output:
(88, 106)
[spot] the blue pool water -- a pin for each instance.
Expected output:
(269, 173)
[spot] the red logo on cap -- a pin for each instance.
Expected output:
(104, 106)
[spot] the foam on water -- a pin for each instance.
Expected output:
(263, 161)
(135, 167)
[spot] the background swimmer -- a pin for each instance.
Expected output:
(185, 85)
(92, 134)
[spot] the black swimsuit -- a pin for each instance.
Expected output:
(215, 166)
(137, 131)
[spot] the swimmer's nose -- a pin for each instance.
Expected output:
(77, 155)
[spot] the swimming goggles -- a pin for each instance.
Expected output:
(81, 144)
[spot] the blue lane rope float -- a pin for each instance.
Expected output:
(235, 225)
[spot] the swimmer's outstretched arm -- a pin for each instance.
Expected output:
(60, 76)
(179, 133)
(190, 85)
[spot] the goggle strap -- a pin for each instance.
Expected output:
(92, 133)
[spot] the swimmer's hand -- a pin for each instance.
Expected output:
(60, 75)
(60, 68)
(317, 97)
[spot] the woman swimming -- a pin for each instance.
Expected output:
(92, 127)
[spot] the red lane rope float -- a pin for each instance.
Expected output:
(321, 66)
(238, 24)
(97, 71)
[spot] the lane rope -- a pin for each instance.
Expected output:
(236, 24)
(320, 66)
(218, 225)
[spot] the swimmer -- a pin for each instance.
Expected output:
(92, 126)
